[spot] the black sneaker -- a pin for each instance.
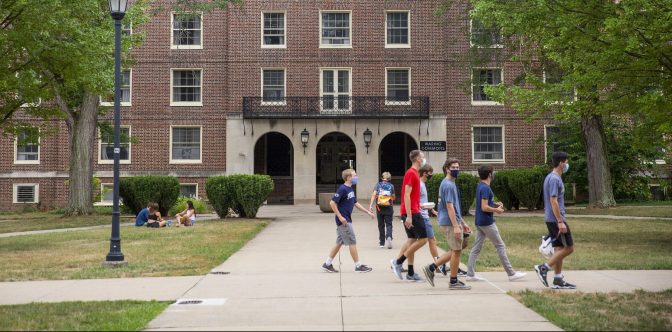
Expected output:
(542, 273)
(363, 269)
(429, 274)
(461, 273)
(559, 283)
(329, 268)
(444, 270)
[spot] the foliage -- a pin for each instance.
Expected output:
(433, 185)
(97, 194)
(219, 195)
(466, 184)
(139, 191)
(500, 186)
(250, 192)
(181, 203)
(527, 185)
(635, 188)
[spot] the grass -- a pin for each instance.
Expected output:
(80, 316)
(629, 211)
(638, 311)
(150, 252)
(600, 244)
(35, 221)
(636, 203)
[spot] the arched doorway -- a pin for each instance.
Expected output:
(335, 153)
(393, 157)
(274, 156)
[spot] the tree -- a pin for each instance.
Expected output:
(609, 58)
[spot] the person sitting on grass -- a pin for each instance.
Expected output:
(154, 220)
(186, 217)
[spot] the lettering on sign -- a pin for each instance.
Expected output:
(433, 145)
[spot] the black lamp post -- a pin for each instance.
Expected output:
(304, 139)
(117, 10)
(368, 136)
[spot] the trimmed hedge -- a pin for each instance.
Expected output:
(527, 185)
(500, 186)
(466, 184)
(138, 191)
(219, 195)
(240, 193)
(181, 203)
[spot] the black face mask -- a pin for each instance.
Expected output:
(429, 176)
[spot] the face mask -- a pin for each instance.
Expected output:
(429, 177)
(355, 180)
(565, 168)
(423, 162)
(455, 173)
(492, 177)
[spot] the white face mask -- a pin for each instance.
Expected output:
(565, 168)
(423, 162)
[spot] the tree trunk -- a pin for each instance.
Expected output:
(82, 131)
(600, 191)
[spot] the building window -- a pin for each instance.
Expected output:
(187, 31)
(274, 30)
(189, 190)
(398, 86)
(335, 29)
(554, 76)
(126, 87)
(186, 85)
(488, 144)
(482, 36)
(106, 146)
(185, 145)
(273, 89)
(551, 141)
(398, 31)
(26, 193)
(27, 146)
(106, 193)
(127, 29)
(336, 91)
(483, 77)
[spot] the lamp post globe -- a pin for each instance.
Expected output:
(118, 8)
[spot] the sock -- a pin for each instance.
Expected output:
(432, 267)
(410, 270)
(545, 267)
(329, 260)
(559, 276)
(358, 264)
(436, 258)
(401, 260)
(453, 280)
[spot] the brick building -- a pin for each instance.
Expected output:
(232, 92)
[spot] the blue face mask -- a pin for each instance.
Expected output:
(455, 173)
(565, 168)
(355, 180)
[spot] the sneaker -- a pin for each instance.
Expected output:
(396, 269)
(414, 278)
(403, 269)
(381, 246)
(444, 269)
(459, 286)
(388, 243)
(559, 283)
(363, 269)
(329, 268)
(475, 277)
(429, 274)
(461, 273)
(517, 276)
(542, 273)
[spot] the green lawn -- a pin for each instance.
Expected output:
(80, 316)
(630, 211)
(35, 221)
(150, 252)
(638, 311)
(600, 244)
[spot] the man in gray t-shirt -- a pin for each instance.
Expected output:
(554, 215)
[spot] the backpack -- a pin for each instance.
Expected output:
(384, 194)
(546, 247)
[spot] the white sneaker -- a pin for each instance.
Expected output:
(388, 243)
(476, 277)
(517, 276)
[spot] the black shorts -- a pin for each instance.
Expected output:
(561, 240)
(419, 230)
(155, 224)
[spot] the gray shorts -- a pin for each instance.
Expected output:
(345, 235)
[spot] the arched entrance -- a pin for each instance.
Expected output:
(393, 157)
(335, 153)
(274, 156)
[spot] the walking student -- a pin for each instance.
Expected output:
(383, 197)
(413, 223)
(342, 204)
(486, 227)
(451, 223)
(554, 215)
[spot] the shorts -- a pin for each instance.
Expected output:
(453, 243)
(561, 240)
(430, 228)
(419, 230)
(345, 235)
(155, 224)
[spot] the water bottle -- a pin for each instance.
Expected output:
(170, 222)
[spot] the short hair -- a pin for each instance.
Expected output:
(387, 175)
(414, 155)
(346, 173)
(484, 171)
(449, 162)
(153, 206)
(558, 157)
(426, 169)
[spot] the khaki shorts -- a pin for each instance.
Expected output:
(453, 243)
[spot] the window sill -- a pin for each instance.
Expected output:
(335, 46)
(186, 47)
(25, 202)
(185, 162)
(27, 162)
(488, 161)
(485, 103)
(179, 104)
(397, 45)
(274, 46)
(111, 162)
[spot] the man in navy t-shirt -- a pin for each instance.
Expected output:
(342, 204)
(486, 227)
(143, 217)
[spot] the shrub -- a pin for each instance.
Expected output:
(138, 191)
(181, 203)
(249, 192)
(635, 188)
(466, 184)
(500, 186)
(219, 195)
(527, 185)
(433, 185)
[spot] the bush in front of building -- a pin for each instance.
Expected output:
(249, 192)
(219, 195)
(500, 186)
(138, 191)
(432, 185)
(181, 203)
(634, 188)
(527, 185)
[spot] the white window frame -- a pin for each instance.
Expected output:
(485, 102)
(130, 29)
(473, 145)
(546, 140)
(284, 12)
(185, 103)
(172, 33)
(558, 102)
(182, 161)
(27, 162)
(350, 29)
(130, 92)
(274, 103)
(408, 45)
(191, 184)
(102, 161)
(103, 202)
(471, 40)
(400, 103)
(336, 94)
(15, 194)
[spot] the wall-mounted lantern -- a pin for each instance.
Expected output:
(368, 136)
(304, 139)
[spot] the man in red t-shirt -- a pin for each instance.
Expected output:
(415, 225)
